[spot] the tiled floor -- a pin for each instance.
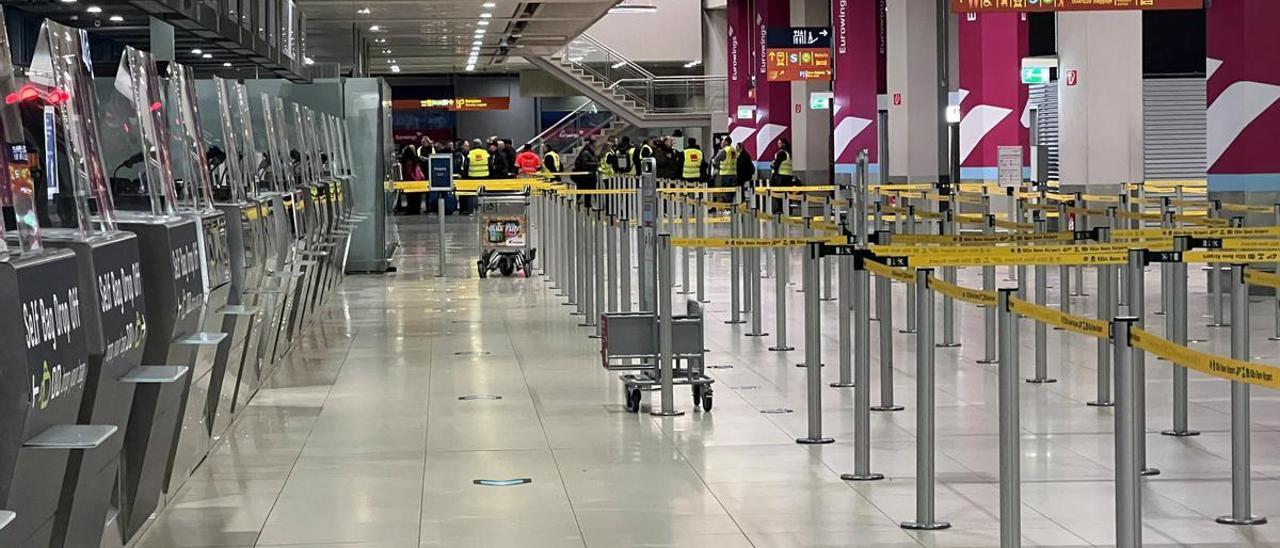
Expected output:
(360, 439)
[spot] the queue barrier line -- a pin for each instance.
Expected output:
(1267, 376)
(793, 189)
(896, 274)
(1252, 256)
(1198, 232)
(1260, 278)
(1051, 316)
(730, 243)
(961, 293)
(1242, 208)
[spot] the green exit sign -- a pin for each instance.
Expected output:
(1035, 75)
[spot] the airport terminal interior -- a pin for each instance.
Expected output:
(650, 273)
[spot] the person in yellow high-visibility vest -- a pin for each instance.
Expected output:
(551, 165)
(608, 157)
(478, 161)
(783, 175)
(726, 162)
(692, 167)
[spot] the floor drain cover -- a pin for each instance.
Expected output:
(502, 483)
(778, 411)
(474, 397)
(472, 353)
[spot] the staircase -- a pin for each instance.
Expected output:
(567, 135)
(634, 94)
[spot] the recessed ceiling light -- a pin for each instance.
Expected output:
(488, 5)
(478, 43)
(480, 32)
(207, 56)
(116, 19)
(308, 61)
(486, 15)
(69, 1)
(363, 11)
(375, 28)
(482, 23)
(197, 51)
(633, 8)
(395, 68)
(94, 9)
(381, 40)
(471, 68)
(227, 64)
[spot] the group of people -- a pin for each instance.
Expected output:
(730, 165)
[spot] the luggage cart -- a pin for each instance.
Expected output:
(629, 342)
(505, 245)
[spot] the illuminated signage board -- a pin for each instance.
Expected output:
(970, 6)
(456, 104)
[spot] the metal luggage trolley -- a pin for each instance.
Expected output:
(629, 342)
(505, 244)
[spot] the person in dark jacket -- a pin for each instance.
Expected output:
(508, 151)
(586, 163)
(746, 169)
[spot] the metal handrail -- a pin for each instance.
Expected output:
(561, 122)
(614, 53)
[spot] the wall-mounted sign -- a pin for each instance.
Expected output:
(1035, 75)
(1009, 167)
(820, 100)
(746, 112)
(1073, 77)
(798, 53)
(965, 6)
(456, 104)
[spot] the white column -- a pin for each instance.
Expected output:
(810, 129)
(1100, 116)
(912, 73)
(715, 59)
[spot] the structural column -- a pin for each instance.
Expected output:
(856, 41)
(1243, 98)
(913, 90)
(993, 99)
(773, 99)
(741, 74)
(1099, 100)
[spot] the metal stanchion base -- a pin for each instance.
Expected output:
(887, 408)
(585, 324)
(992, 361)
(814, 441)
(1180, 433)
(1250, 520)
(781, 348)
(859, 477)
(1159, 313)
(755, 335)
(1273, 338)
(735, 322)
(593, 336)
(1149, 472)
(1101, 404)
(684, 293)
(842, 385)
(1042, 381)
(1078, 295)
(947, 345)
(829, 299)
(662, 414)
(804, 365)
(568, 303)
(1217, 325)
(932, 526)
(909, 331)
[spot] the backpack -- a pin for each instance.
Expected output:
(624, 161)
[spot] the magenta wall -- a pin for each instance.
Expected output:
(773, 99)
(993, 99)
(1243, 95)
(740, 72)
(857, 67)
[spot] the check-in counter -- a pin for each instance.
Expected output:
(44, 369)
(172, 281)
(246, 241)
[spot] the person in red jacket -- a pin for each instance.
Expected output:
(527, 161)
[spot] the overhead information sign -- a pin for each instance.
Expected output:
(797, 54)
(970, 6)
(455, 104)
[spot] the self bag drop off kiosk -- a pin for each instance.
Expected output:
(173, 272)
(49, 305)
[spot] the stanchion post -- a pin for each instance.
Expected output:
(1128, 490)
(735, 265)
(989, 285)
(700, 216)
(1010, 429)
(1137, 308)
(1106, 279)
(925, 468)
(912, 325)
(599, 282)
(780, 300)
(1275, 292)
(844, 264)
(754, 281)
(682, 207)
(827, 211)
(813, 344)
(624, 262)
(884, 305)
(1176, 332)
(440, 249)
(1082, 223)
(666, 359)
(1042, 330)
(611, 255)
(861, 376)
(588, 262)
(1064, 271)
(1241, 467)
(949, 276)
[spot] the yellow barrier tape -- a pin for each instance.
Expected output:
(1217, 366)
(411, 186)
(1234, 257)
(1248, 208)
(752, 242)
(1198, 232)
(595, 191)
(780, 189)
(1258, 277)
(1171, 183)
(1020, 256)
(1105, 198)
(984, 238)
(1057, 318)
(895, 274)
(960, 293)
(900, 187)
(697, 190)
